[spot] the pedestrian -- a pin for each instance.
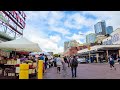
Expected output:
(55, 58)
(46, 60)
(111, 62)
(65, 59)
(74, 65)
(42, 58)
(68, 60)
(59, 64)
(118, 59)
(64, 68)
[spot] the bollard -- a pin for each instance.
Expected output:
(24, 71)
(40, 69)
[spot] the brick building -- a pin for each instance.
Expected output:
(73, 50)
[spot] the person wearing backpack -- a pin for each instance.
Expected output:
(111, 62)
(74, 65)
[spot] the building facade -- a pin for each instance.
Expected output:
(100, 28)
(99, 38)
(91, 38)
(74, 50)
(109, 29)
(115, 36)
(69, 44)
(113, 39)
(107, 41)
(51, 53)
(66, 45)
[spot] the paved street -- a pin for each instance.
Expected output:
(87, 71)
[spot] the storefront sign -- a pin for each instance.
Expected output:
(115, 38)
(17, 17)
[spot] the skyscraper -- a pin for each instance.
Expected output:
(91, 38)
(100, 28)
(65, 46)
(109, 30)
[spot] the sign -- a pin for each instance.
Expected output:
(14, 19)
(17, 17)
(2, 18)
(115, 38)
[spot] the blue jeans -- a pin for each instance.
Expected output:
(73, 69)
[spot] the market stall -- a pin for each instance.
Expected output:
(21, 44)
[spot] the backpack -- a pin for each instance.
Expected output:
(74, 63)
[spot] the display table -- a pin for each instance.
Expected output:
(7, 68)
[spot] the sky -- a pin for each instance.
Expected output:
(50, 29)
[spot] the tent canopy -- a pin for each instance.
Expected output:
(21, 44)
(34, 53)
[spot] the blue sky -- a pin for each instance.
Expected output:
(50, 29)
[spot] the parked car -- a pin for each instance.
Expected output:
(81, 60)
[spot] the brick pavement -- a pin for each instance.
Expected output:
(87, 71)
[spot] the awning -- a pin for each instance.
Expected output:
(100, 47)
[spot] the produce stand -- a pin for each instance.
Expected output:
(32, 68)
(21, 44)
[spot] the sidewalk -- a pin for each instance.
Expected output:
(52, 74)
(86, 71)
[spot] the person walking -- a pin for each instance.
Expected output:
(74, 65)
(46, 60)
(59, 64)
(65, 59)
(68, 60)
(55, 58)
(64, 68)
(42, 58)
(111, 62)
(118, 59)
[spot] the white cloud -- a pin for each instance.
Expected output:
(76, 37)
(77, 21)
(55, 38)
(38, 36)
(60, 30)
(111, 17)
(73, 21)
(37, 15)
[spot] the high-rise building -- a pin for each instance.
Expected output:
(66, 45)
(100, 28)
(109, 30)
(91, 38)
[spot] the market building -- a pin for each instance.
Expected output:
(111, 45)
(12, 24)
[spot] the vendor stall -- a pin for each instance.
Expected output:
(22, 45)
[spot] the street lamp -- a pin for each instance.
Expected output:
(88, 46)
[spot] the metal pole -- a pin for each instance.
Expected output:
(89, 55)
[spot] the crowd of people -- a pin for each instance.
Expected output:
(63, 62)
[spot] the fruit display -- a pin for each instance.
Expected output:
(11, 62)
